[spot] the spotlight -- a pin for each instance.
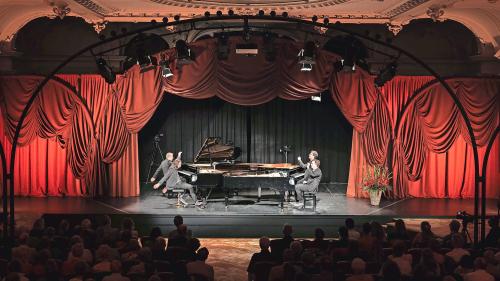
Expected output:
(177, 17)
(143, 60)
(284, 14)
(184, 54)
(207, 14)
(273, 13)
(165, 69)
(326, 21)
(386, 74)
(222, 47)
(230, 13)
(261, 13)
(139, 50)
(219, 13)
(105, 71)
(306, 56)
(153, 22)
(314, 19)
(164, 20)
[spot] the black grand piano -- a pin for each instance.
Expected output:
(215, 167)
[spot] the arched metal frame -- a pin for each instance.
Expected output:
(482, 177)
(10, 176)
(246, 18)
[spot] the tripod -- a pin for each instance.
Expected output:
(155, 153)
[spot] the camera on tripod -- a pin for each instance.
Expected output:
(465, 217)
(157, 137)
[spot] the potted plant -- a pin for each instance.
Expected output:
(376, 180)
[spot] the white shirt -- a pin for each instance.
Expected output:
(457, 253)
(353, 234)
(479, 275)
(404, 263)
(115, 277)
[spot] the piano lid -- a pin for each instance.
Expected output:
(213, 150)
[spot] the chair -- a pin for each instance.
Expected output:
(307, 196)
(179, 192)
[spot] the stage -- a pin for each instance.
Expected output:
(244, 217)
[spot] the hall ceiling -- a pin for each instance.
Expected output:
(481, 16)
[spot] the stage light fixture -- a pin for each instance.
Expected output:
(139, 50)
(284, 14)
(184, 54)
(153, 22)
(207, 14)
(307, 55)
(314, 19)
(165, 69)
(164, 20)
(105, 71)
(273, 13)
(222, 46)
(230, 13)
(177, 17)
(219, 13)
(326, 21)
(386, 74)
(261, 13)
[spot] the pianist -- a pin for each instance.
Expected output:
(164, 165)
(310, 183)
(312, 155)
(173, 180)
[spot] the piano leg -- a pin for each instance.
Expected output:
(226, 199)
(259, 193)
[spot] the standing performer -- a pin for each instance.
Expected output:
(310, 182)
(312, 155)
(173, 180)
(164, 165)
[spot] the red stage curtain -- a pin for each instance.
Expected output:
(430, 157)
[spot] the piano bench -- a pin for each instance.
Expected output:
(307, 196)
(179, 192)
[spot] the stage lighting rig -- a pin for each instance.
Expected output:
(165, 69)
(184, 53)
(140, 50)
(386, 74)
(106, 71)
(307, 55)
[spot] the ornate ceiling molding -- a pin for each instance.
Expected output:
(436, 13)
(94, 7)
(251, 4)
(405, 7)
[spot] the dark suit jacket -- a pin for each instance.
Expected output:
(279, 245)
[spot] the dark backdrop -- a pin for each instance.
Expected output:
(303, 125)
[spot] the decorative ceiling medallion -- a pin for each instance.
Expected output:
(94, 7)
(405, 7)
(276, 4)
(435, 13)
(394, 28)
(99, 26)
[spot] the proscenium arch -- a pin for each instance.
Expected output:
(10, 176)
(402, 113)
(246, 18)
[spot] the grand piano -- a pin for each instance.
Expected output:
(215, 167)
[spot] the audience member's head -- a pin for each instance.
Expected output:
(349, 223)
(202, 254)
(75, 239)
(103, 253)
(264, 243)
(86, 224)
(128, 224)
(63, 227)
(287, 230)
(81, 268)
(155, 232)
(343, 233)
(358, 266)
(425, 227)
(178, 220)
(116, 266)
(390, 271)
(493, 222)
(480, 263)
(367, 228)
(77, 250)
(400, 226)
(319, 234)
(454, 226)
(399, 249)
(194, 244)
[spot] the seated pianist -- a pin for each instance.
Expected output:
(310, 183)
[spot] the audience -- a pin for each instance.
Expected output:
(98, 251)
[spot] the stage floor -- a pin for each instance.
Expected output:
(329, 204)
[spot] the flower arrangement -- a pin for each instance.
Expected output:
(377, 178)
